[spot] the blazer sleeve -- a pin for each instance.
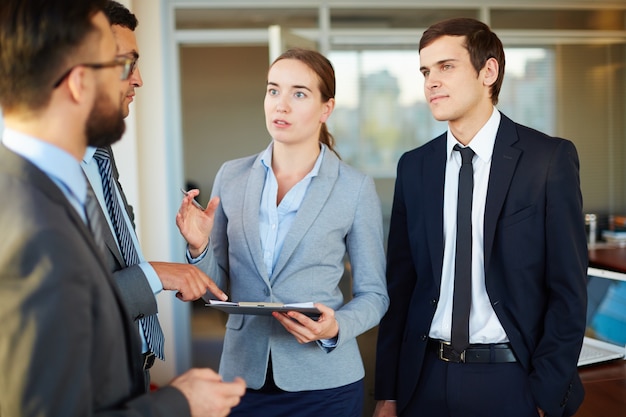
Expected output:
(401, 278)
(215, 263)
(132, 281)
(367, 259)
(165, 402)
(136, 292)
(554, 378)
(52, 301)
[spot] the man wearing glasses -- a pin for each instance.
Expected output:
(138, 280)
(67, 345)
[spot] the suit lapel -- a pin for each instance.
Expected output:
(503, 163)
(251, 204)
(433, 177)
(130, 331)
(116, 179)
(109, 237)
(111, 243)
(314, 200)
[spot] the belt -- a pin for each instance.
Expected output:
(148, 360)
(488, 353)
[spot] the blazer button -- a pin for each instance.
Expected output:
(424, 337)
(267, 292)
(433, 302)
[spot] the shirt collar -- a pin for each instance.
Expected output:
(266, 159)
(89, 153)
(482, 144)
(54, 161)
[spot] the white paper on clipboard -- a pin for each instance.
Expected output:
(264, 308)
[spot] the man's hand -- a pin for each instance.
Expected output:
(207, 395)
(385, 409)
(189, 282)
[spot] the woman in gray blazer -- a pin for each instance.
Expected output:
(277, 229)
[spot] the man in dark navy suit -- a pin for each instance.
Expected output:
(487, 216)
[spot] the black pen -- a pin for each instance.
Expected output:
(195, 203)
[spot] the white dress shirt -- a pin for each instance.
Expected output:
(484, 326)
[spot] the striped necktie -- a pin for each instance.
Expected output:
(149, 324)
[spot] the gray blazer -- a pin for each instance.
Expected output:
(133, 283)
(67, 345)
(339, 215)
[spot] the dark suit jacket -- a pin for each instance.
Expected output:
(535, 263)
(67, 344)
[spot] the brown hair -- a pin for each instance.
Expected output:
(326, 76)
(481, 43)
(37, 40)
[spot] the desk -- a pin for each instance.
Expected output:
(608, 257)
(605, 384)
(605, 390)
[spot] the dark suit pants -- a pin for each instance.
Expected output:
(471, 390)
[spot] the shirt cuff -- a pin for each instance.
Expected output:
(200, 257)
(328, 344)
(153, 279)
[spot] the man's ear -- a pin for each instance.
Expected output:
(77, 83)
(490, 72)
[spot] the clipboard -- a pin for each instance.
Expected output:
(263, 309)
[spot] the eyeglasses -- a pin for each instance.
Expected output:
(127, 63)
(133, 56)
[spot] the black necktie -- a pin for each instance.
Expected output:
(149, 324)
(462, 299)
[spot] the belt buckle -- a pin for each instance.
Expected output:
(148, 360)
(451, 356)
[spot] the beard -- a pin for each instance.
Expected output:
(105, 124)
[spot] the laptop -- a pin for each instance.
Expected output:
(605, 338)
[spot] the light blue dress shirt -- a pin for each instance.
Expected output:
(56, 163)
(275, 221)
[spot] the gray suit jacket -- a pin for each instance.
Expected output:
(135, 289)
(340, 214)
(67, 344)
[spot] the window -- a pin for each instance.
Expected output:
(381, 111)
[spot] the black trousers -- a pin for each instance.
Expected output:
(471, 390)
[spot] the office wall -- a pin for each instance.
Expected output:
(222, 108)
(590, 111)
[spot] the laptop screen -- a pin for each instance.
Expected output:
(606, 308)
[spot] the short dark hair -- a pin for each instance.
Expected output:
(118, 14)
(37, 39)
(481, 43)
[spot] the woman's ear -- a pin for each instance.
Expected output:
(329, 106)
